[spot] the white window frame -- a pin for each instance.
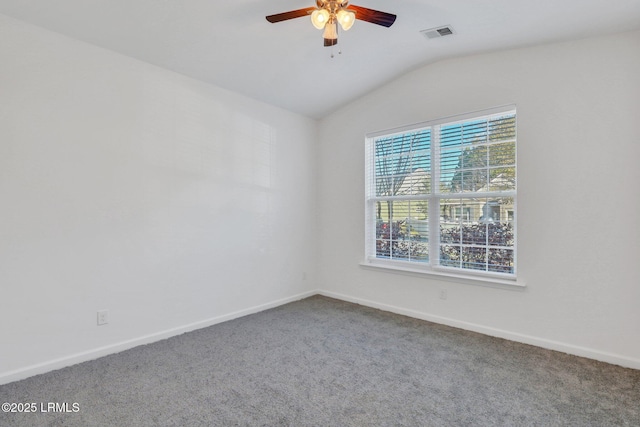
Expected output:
(433, 267)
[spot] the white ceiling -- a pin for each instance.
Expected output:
(230, 44)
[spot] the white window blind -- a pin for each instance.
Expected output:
(441, 195)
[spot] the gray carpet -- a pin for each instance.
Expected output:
(322, 362)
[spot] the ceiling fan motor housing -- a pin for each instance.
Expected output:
(333, 6)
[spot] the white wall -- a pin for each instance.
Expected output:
(578, 203)
(171, 203)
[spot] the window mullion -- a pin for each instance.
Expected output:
(434, 201)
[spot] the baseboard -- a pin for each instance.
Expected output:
(63, 362)
(614, 359)
(85, 356)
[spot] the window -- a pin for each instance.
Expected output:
(441, 195)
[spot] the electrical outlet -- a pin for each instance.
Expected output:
(443, 294)
(103, 317)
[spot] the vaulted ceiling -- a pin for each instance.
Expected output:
(230, 44)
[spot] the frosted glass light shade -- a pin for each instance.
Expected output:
(330, 31)
(346, 19)
(319, 18)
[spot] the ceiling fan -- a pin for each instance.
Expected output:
(329, 13)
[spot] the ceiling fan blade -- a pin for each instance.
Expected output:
(374, 16)
(290, 15)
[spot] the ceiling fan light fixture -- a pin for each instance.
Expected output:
(319, 18)
(346, 18)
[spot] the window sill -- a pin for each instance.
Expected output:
(489, 281)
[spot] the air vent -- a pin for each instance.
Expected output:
(434, 33)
